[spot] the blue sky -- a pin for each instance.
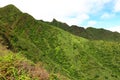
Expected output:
(85, 13)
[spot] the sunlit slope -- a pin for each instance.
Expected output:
(61, 52)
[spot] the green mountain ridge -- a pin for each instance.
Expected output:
(61, 52)
(88, 33)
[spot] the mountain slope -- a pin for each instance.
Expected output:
(14, 66)
(88, 33)
(62, 53)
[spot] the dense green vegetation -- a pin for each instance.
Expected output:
(89, 33)
(14, 66)
(64, 55)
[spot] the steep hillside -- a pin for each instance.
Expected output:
(14, 66)
(73, 57)
(88, 33)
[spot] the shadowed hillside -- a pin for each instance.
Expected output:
(64, 55)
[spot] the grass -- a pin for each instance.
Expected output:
(14, 66)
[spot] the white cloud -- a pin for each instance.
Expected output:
(117, 6)
(77, 19)
(91, 23)
(59, 9)
(116, 28)
(107, 16)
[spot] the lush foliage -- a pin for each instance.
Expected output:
(89, 33)
(14, 66)
(65, 55)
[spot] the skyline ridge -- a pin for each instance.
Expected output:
(99, 14)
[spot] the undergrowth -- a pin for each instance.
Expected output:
(16, 67)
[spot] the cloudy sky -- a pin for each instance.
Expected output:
(85, 13)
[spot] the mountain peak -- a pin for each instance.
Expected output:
(9, 10)
(54, 20)
(10, 5)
